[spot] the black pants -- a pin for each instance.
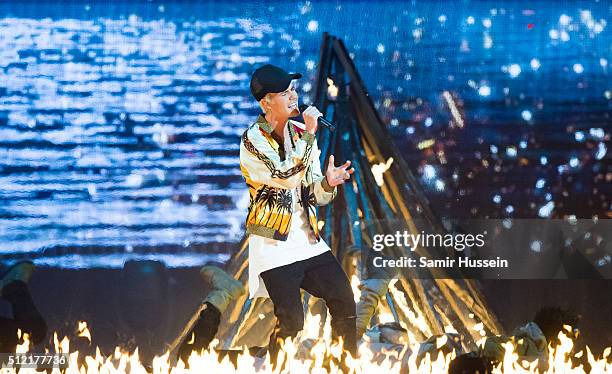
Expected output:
(321, 276)
(25, 318)
(202, 333)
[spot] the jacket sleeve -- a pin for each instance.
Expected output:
(263, 164)
(324, 193)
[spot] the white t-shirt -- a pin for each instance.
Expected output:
(266, 254)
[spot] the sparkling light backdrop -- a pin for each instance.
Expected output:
(120, 121)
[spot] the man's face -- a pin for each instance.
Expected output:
(283, 104)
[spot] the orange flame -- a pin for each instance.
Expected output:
(322, 357)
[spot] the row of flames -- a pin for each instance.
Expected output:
(322, 357)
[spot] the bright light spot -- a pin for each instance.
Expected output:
(585, 15)
(442, 18)
(565, 19)
(540, 183)
(497, 199)
(486, 23)
(554, 34)
(543, 160)
(590, 24)
(597, 133)
(509, 209)
(604, 260)
(598, 28)
(493, 149)
(548, 196)
(536, 246)
(608, 94)
(453, 108)
(523, 144)
(573, 162)
(603, 62)
(417, 33)
(429, 172)
(546, 210)
(332, 90)
(320, 224)
(579, 136)
(578, 69)
(439, 185)
(470, 20)
(394, 122)
(601, 151)
(380, 48)
(134, 180)
(310, 64)
(514, 70)
(535, 63)
(161, 137)
(428, 122)
(526, 115)
(410, 130)
(484, 91)
(379, 169)
(511, 151)
(564, 36)
(487, 41)
(306, 87)
(91, 189)
(313, 26)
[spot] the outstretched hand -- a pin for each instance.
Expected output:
(338, 175)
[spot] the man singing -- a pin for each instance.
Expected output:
(279, 159)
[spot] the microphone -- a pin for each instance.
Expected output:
(321, 120)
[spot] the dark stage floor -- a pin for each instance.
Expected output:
(147, 310)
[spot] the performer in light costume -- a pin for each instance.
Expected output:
(279, 159)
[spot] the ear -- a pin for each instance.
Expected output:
(262, 104)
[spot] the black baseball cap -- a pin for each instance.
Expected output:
(270, 79)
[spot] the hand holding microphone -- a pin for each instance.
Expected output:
(335, 175)
(310, 112)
